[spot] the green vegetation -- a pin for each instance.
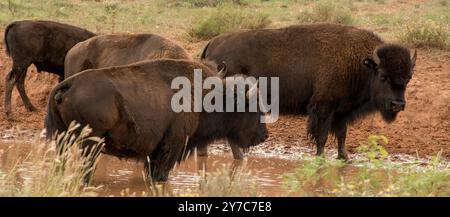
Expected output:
(41, 171)
(426, 33)
(422, 25)
(226, 182)
(228, 19)
(372, 177)
(213, 3)
(327, 11)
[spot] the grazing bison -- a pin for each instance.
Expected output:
(115, 50)
(333, 73)
(42, 43)
(130, 106)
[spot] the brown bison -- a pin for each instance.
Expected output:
(42, 43)
(115, 50)
(335, 74)
(130, 106)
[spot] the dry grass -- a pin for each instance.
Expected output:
(38, 169)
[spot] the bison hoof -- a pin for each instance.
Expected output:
(9, 116)
(344, 157)
(31, 108)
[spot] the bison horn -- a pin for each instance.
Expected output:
(252, 91)
(223, 69)
(375, 57)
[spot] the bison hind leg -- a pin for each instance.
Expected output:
(164, 158)
(21, 88)
(320, 117)
(339, 129)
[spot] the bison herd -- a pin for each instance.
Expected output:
(120, 85)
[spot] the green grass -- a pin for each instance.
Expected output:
(426, 33)
(228, 19)
(202, 19)
(327, 11)
(41, 172)
(372, 176)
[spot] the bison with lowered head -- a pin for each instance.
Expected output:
(335, 74)
(130, 106)
(115, 50)
(42, 43)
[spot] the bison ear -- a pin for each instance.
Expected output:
(370, 63)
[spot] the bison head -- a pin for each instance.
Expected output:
(245, 128)
(392, 67)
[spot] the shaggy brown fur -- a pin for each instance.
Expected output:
(115, 50)
(326, 71)
(42, 43)
(130, 106)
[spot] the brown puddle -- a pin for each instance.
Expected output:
(115, 176)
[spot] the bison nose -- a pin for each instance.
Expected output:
(397, 106)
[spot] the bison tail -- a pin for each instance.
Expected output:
(53, 121)
(8, 52)
(203, 56)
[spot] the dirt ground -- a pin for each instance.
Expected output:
(423, 128)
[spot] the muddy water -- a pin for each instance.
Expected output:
(118, 177)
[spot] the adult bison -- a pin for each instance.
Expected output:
(333, 73)
(130, 106)
(115, 50)
(42, 43)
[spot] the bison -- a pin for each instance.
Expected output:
(115, 50)
(334, 74)
(42, 43)
(130, 106)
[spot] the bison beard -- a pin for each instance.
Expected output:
(335, 74)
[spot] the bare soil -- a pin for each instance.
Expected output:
(423, 128)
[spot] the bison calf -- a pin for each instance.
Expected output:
(42, 43)
(130, 106)
(335, 74)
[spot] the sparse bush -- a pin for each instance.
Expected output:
(426, 33)
(228, 19)
(327, 11)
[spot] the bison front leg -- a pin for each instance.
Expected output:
(21, 88)
(10, 81)
(319, 122)
(238, 153)
(339, 129)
